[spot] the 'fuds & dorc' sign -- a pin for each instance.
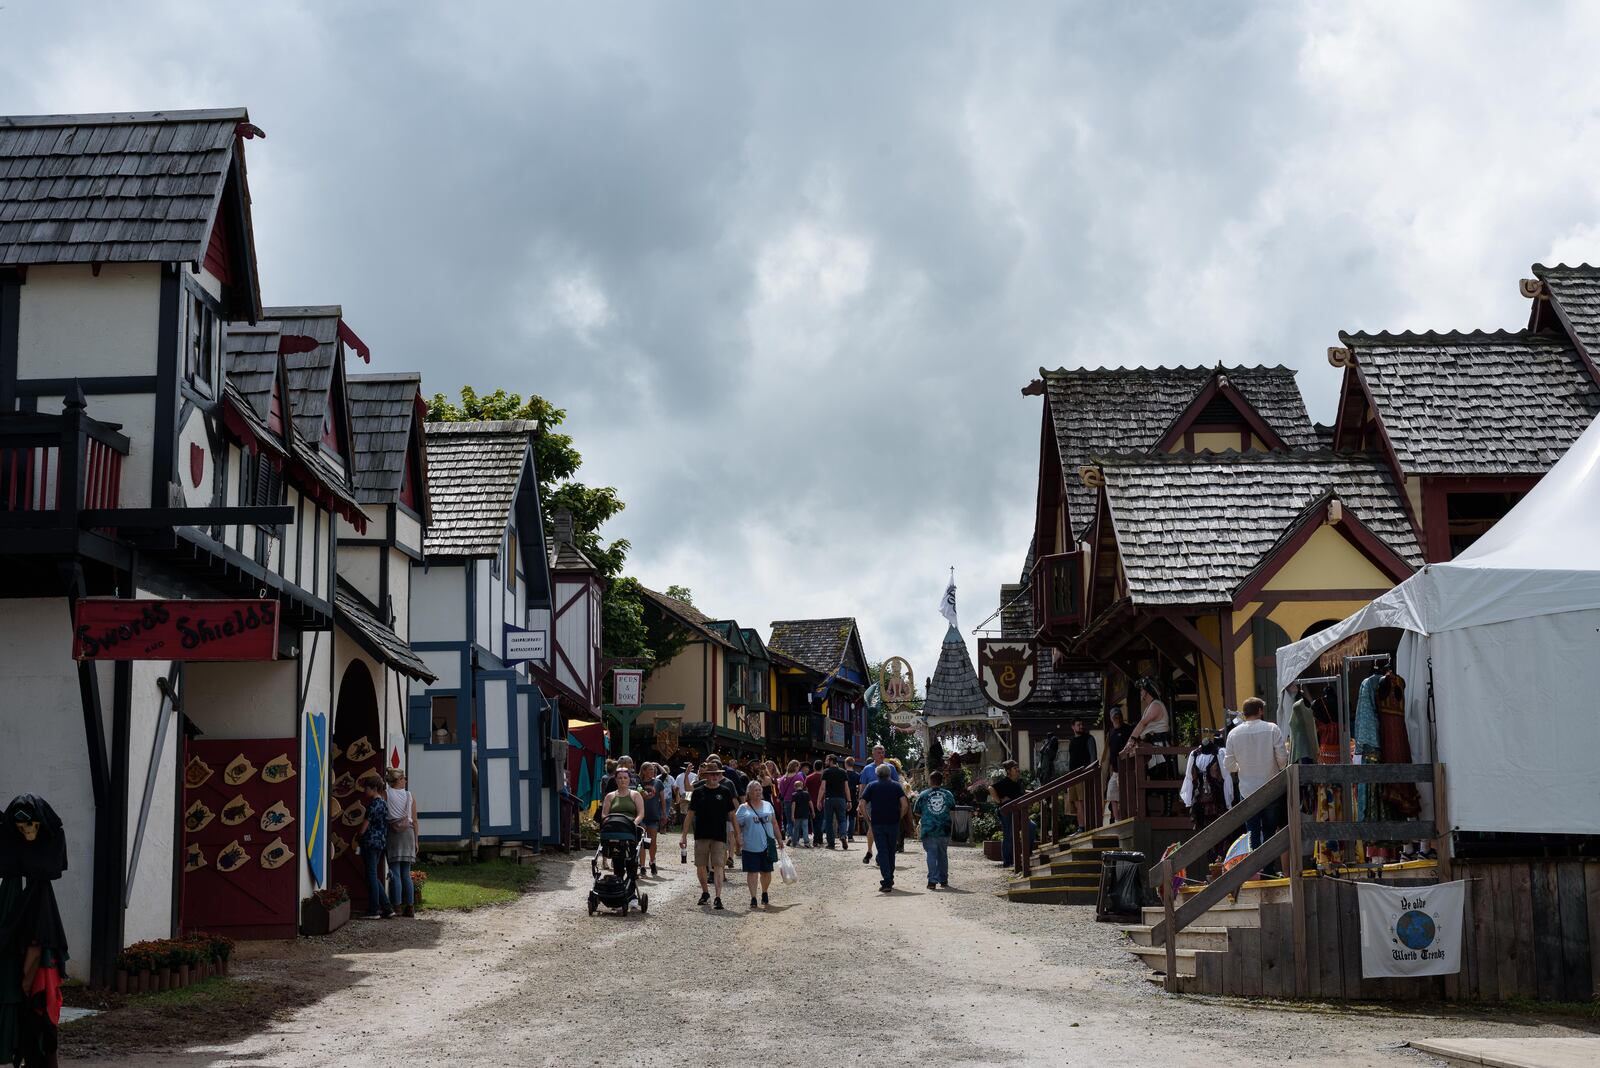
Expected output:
(110, 628)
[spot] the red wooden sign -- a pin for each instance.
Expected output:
(109, 628)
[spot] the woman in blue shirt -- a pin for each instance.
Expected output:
(758, 834)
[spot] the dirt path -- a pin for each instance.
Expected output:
(834, 973)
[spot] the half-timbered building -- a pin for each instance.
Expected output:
(513, 650)
(155, 484)
(833, 648)
(710, 696)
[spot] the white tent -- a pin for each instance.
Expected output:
(1510, 633)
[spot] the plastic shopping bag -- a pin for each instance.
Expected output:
(786, 868)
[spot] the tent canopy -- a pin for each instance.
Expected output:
(1541, 559)
(1507, 636)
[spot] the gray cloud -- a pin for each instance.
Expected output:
(788, 270)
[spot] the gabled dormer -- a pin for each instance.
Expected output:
(1219, 418)
(318, 340)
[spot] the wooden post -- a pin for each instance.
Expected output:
(1297, 881)
(1170, 927)
(1441, 824)
(1230, 685)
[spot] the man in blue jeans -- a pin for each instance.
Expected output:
(885, 805)
(374, 839)
(835, 802)
(934, 805)
(1007, 788)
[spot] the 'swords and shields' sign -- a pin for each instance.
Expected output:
(1410, 930)
(1006, 670)
(110, 628)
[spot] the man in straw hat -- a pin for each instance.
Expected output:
(711, 808)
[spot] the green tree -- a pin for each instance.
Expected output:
(881, 732)
(681, 593)
(556, 461)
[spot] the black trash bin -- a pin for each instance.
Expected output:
(1121, 886)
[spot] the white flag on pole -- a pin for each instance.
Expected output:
(947, 603)
(1410, 930)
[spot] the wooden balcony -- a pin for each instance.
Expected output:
(1058, 594)
(58, 464)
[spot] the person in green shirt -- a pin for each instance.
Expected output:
(934, 805)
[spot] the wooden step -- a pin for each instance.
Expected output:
(1155, 958)
(1053, 896)
(1073, 882)
(1212, 938)
(1073, 866)
(1224, 914)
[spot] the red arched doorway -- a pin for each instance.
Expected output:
(358, 748)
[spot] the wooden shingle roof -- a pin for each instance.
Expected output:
(1192, 529)
(251, 361)
(1476, 403)
(113, 188)
(687, 616)
(1576, 294)
(817, 643)
(953, 690)
(310, 373)
(474, 470)
(359, 618)
(382, 410)
(1128, 409)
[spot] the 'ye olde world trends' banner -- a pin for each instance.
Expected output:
(1410, 930)
(110, 628)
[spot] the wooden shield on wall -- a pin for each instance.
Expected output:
(1006, 670)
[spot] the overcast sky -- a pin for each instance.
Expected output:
(789, 270)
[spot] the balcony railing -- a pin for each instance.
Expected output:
(54, 466)
(1058, 591)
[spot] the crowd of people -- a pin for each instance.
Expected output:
(753, 812)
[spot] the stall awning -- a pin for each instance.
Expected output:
(360, 620)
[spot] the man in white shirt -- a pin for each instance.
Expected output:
(1256, 751)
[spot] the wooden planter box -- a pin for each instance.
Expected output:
(316, 920)
(994, 850)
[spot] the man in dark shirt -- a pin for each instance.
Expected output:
(885, 803)
(851, 819)
(711, 807)
(1007, 788)
(1080, 754)
(1116, 740)
(738, 781)
(835, 802)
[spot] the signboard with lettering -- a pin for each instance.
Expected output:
(627, 687)
(110, 628)
(524, 644)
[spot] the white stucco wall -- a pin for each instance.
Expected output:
(70, 322)
(438, 604)
(243, 700)
(358, 565)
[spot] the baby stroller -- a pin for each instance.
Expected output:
(615, 866)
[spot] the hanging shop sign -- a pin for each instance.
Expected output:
(524, 645)
(896, 684)
(627, 687)
(110, 628)
(1006, 670)
(836, 732)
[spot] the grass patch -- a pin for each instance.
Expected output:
(468, 886)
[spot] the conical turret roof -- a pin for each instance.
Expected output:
(954, 689)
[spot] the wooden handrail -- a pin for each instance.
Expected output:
(1017, 809)
(1227, 826)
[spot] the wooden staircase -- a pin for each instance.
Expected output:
(1223, 930)
(1066, 872)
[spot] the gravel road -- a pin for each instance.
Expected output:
(833, 973)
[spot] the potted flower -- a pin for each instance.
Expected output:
(325, 911)
(419, 879)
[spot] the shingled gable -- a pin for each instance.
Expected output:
(360, 619)
(386, 418)
(1573, 294)
(687, 616)
(1134, 409)
(474, 472)
(143, 187)
(824, 645)
(1464, 403)
(317, 382)
(1194, 530)
(254, 378)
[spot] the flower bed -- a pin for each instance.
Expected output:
(172, 963)
(325, 911)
